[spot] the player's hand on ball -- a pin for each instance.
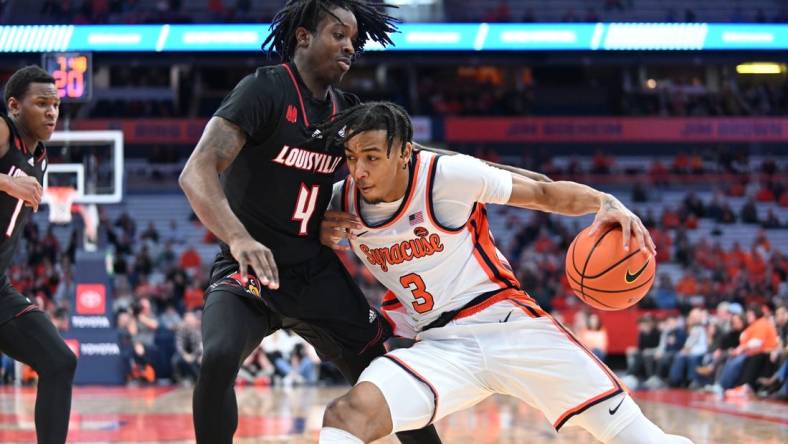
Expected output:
(612, 211)
(26, 188)
(335, 227)
(250, 253)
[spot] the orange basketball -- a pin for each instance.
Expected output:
(604, 275)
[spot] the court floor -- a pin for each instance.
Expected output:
(275, 415)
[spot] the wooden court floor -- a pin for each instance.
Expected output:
(163, 415)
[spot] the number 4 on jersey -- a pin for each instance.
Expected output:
(305, 206)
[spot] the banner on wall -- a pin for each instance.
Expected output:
(188, 131)
(611, 129)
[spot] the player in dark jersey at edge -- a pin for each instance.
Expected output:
(261, 182)
(26, 333)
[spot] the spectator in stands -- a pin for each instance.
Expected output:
(146, 324)
(771, 221)
(694, 205)
(190, 259)
(193, 296)
(682, 370)
(188, 349)
(594, 336)
(671, 342)
(60, 318)
(166, 258)
(665, 295)
(170, 319)
(641, 359)
(639, 193)
(150, 233)
(725, 338)
(751, 359)
(776, 386)
(749, 213)
(173, 234)
(294, 359)
(143, 264)
(688, 285)
(256, 369)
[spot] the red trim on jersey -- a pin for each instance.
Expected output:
(485, 242)
(301, 98)
(487, 262)
(431, 171)
(514, 295)
(390, 301)
(26, 310)
(483, 264)
(421, 378)
(402, 208)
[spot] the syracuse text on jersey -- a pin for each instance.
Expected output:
(424, 244)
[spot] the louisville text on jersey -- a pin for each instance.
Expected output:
(404, 251)
(307, 160)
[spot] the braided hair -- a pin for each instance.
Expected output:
(373, 23)
(368, 116)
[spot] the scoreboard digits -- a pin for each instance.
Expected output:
(72, 73)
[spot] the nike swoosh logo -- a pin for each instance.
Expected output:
(361, 234)
(613, 411)
(506, 318)
(630, 278)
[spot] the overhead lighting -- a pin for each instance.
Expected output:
(760, 68)
(651, 83)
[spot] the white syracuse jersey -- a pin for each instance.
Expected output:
(430, 268)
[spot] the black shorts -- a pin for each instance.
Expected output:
(317, 299)
(12, 303)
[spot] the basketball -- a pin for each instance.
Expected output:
(603, 274)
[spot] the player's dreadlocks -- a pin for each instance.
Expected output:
(368, 116)
(373, 23)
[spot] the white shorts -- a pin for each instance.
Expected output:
(503, 349)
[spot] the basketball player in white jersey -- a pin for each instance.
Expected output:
(420, 226)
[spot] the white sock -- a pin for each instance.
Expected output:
(643, 431)
(331, 435)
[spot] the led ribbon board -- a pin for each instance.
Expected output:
(412, 37)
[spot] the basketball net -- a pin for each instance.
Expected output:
(61, 204)
(60, 200)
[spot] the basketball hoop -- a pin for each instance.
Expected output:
(60, 200)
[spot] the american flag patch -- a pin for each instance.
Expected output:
(416, 218)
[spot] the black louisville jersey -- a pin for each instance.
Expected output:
(280, 185)
(18, 161)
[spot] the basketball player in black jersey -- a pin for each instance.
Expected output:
(267, 206)
(26, 333)
(260, 179)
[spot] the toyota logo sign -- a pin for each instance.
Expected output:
(91, 299)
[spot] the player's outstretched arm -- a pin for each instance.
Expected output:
(539, 177)
(574, 199)
(219, 145)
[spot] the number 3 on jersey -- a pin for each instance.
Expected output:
(305, 207)
(423, 300)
